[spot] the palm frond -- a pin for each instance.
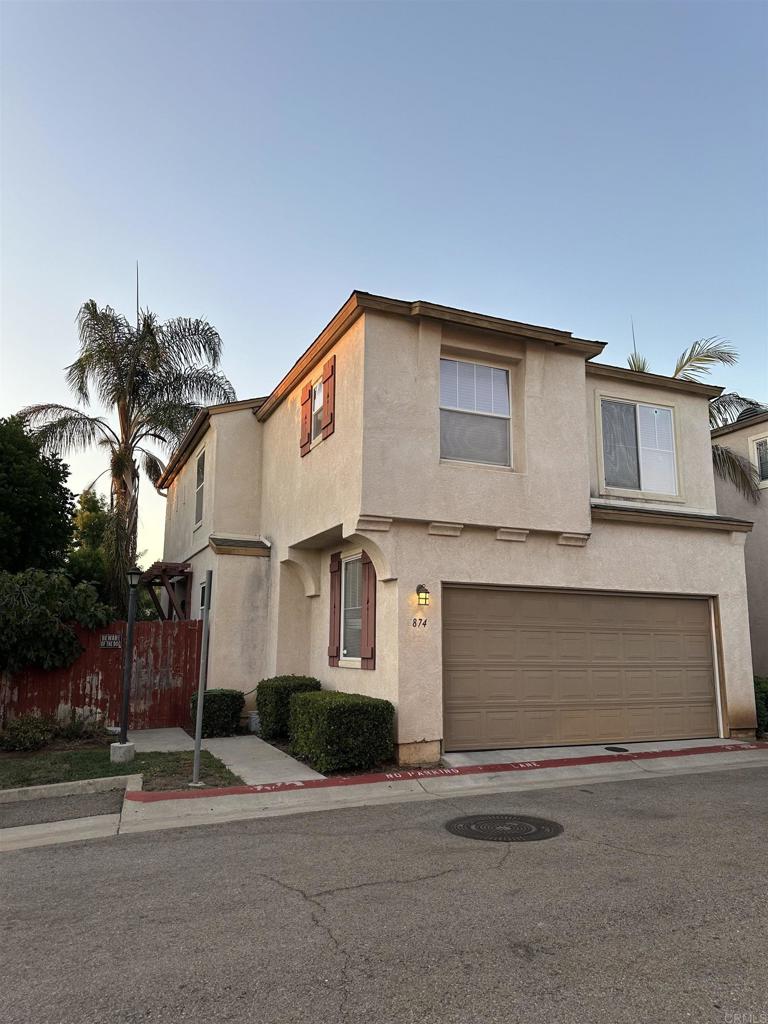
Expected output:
(638, 362)
(190, 386)
(698, 360)
(731, 466)
(186, 341)
(105, 349)
(152, 465)
(725, 408)
(61, 428)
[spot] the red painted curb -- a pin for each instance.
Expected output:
(436, 773)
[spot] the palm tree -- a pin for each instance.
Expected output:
(153, 378)
(693, 364)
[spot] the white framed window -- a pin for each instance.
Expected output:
(202, 599)
(317, 409)
(351, 607)
(474, 413)
(638, 447)
(199, 487)
(759, 447)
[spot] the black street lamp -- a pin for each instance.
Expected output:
(134, 575)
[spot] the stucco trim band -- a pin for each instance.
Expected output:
(656, 517)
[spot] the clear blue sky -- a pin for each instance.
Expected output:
(565, 164)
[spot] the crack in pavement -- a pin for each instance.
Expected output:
(346, 956)
(623, 849)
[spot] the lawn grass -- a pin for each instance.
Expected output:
(160, 771)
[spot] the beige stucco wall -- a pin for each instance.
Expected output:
(692, 452)
(304, 497)
(240, 596)
(730, 502)
(546, 487)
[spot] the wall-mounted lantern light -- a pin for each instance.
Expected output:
(422, 594)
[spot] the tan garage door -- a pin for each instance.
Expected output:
(532, 668)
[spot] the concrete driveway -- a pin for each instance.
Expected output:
(649, 907)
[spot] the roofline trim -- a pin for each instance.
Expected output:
(359, 302)
(745, 424)
(653, 379)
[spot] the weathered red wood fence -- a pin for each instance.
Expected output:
(166, 659)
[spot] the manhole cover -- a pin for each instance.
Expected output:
(504, 828)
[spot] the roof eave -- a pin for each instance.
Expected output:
(359, 302)
(653, 379)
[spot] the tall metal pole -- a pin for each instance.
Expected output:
(203, 679)
(128, 663)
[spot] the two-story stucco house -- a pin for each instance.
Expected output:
(748, 437)
(516, 545)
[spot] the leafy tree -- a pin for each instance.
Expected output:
(91, 557)
(35, 504)
(37, 610)
(153, 378)
(693, 364)
(86, 561)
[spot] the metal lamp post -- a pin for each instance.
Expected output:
(134, 575)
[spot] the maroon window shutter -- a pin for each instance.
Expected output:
(305, 439)
(329, 396)
(334, 637)
(368, 639)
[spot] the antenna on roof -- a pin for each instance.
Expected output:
(137, 297)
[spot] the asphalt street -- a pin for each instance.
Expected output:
(650, 906)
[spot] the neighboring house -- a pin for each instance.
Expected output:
(748, 437)
(467, 516)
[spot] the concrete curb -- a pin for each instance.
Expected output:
(130, 783)
(51, 833)
(208, 809)
(678, 754)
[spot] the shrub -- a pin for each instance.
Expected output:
(27, 732)
(221, 711)
(341, 731)
(273, 703)
(761, 700)
(84, 725)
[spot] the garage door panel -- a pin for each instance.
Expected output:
(605, 684)
(535, 668)
(606, 647)
(572, 646)
(537, 684)
(574, 685)
(639, 684)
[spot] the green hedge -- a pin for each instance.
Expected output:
(761, 700)
(221, 711)
(27, 732)
(341, 731)
(273, 703)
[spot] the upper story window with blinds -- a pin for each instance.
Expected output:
(761, 459)
(639, 447)
(474, 413)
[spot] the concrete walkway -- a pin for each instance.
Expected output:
(255, 761)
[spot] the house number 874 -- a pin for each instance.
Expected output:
(419, 623)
